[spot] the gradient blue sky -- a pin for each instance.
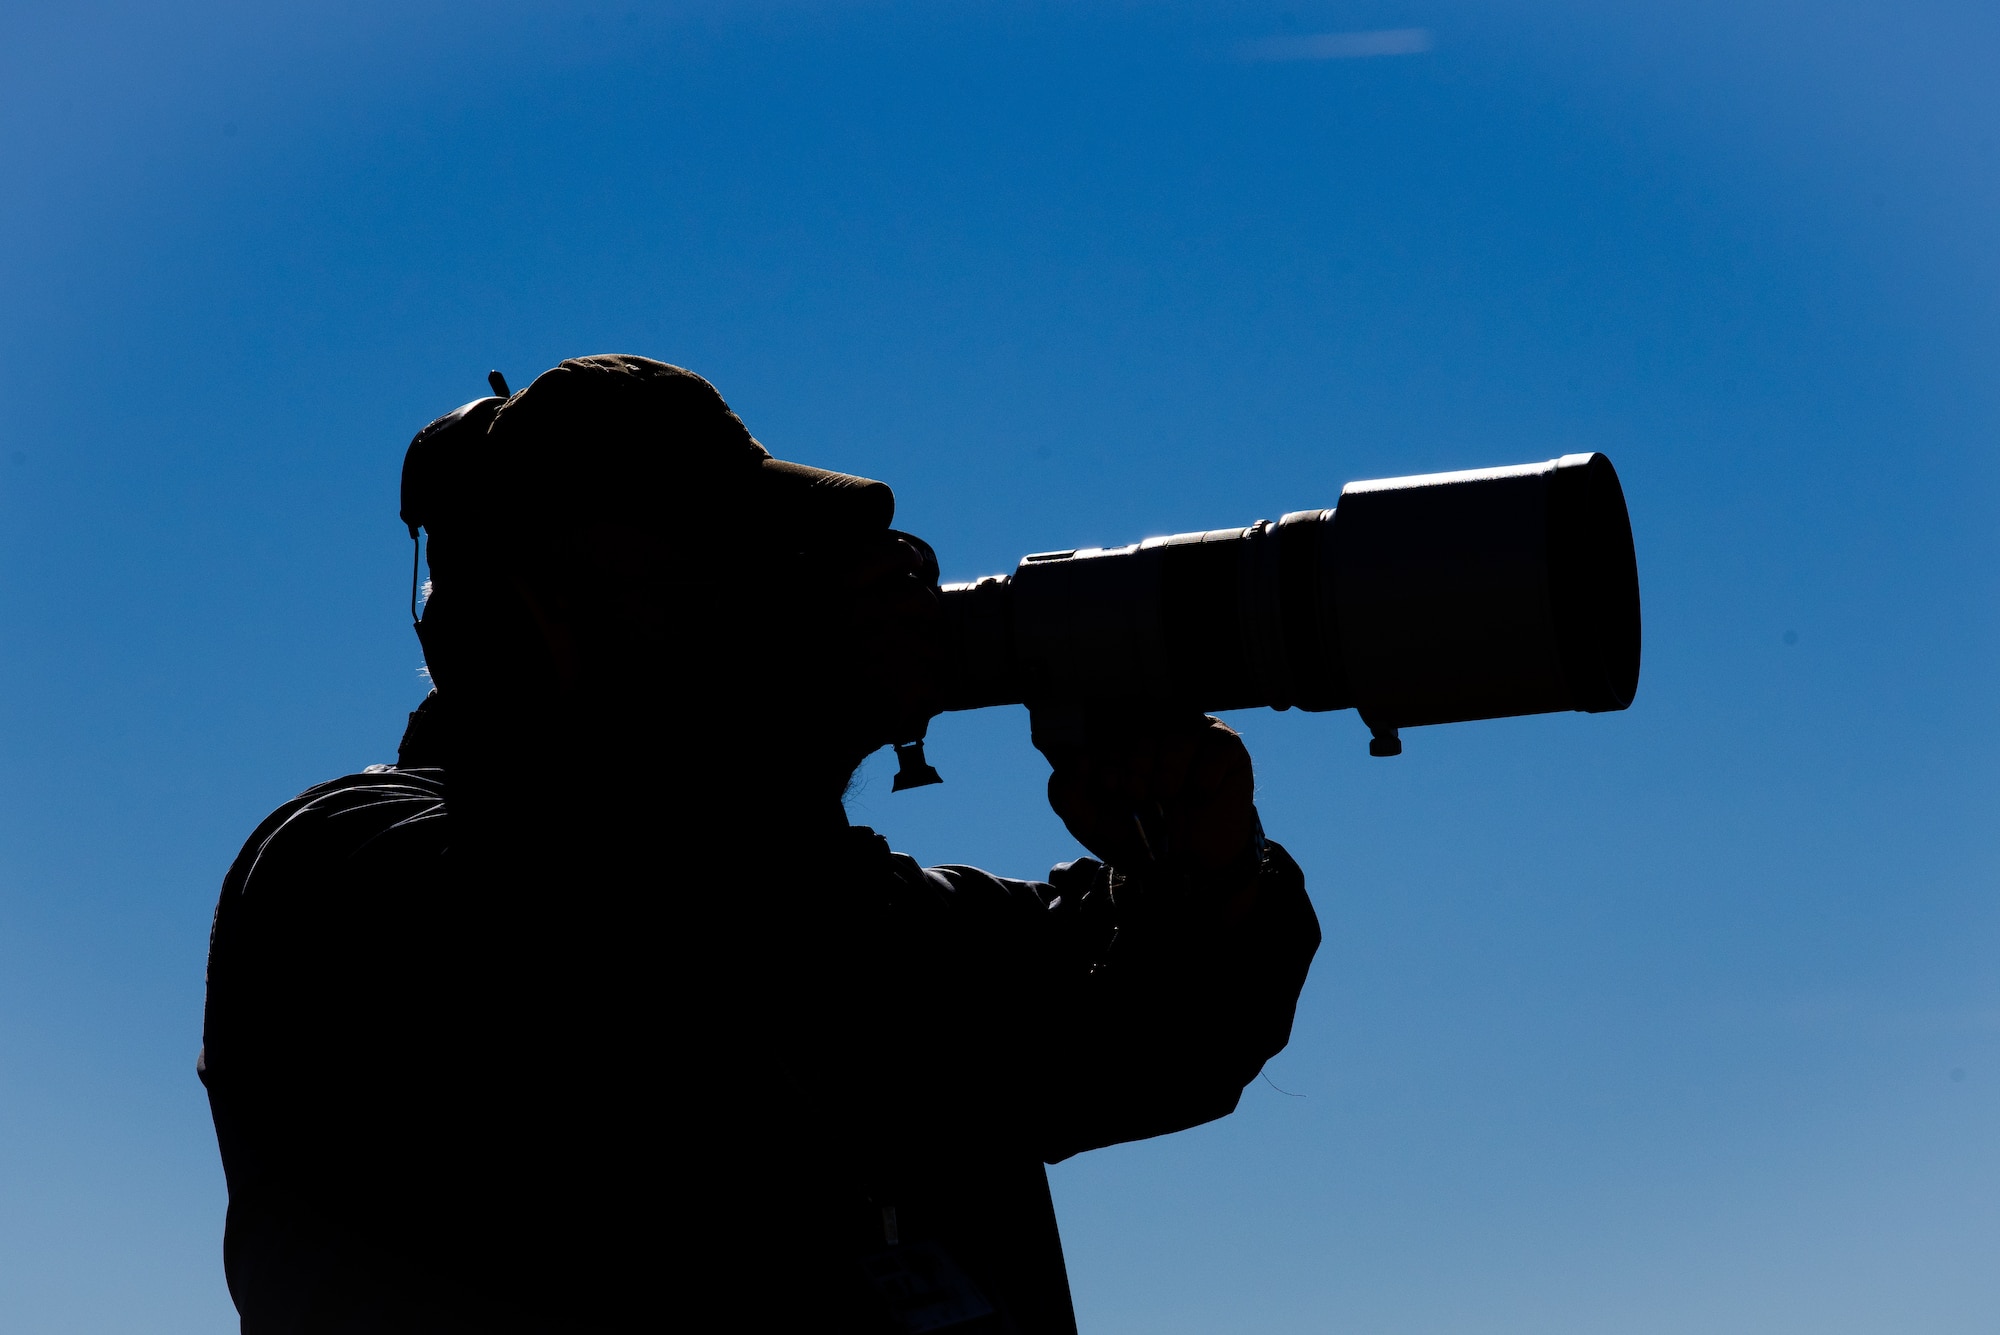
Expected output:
(1681, 1019)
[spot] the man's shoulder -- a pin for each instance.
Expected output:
(381, 810)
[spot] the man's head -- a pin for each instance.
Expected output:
(611, 542)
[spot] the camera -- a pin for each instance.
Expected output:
(1415, 600)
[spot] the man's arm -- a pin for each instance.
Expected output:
(1136, 995)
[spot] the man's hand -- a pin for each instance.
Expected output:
(1187, 785)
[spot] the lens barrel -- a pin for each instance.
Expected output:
(1416, 600)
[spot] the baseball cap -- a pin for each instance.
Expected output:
(623, 436)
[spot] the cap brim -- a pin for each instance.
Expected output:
(820, 503)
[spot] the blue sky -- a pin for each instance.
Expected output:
(1684, 1018)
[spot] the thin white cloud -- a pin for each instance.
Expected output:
(1339, 45)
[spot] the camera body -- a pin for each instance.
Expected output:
(1416, 600)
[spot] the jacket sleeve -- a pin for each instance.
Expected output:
(1113, 1010)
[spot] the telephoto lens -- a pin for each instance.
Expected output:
(1415, 600)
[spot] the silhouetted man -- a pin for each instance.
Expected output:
(594, 1013)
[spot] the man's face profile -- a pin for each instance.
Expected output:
(887, 592)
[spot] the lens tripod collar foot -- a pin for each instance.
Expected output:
(1386, 741)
